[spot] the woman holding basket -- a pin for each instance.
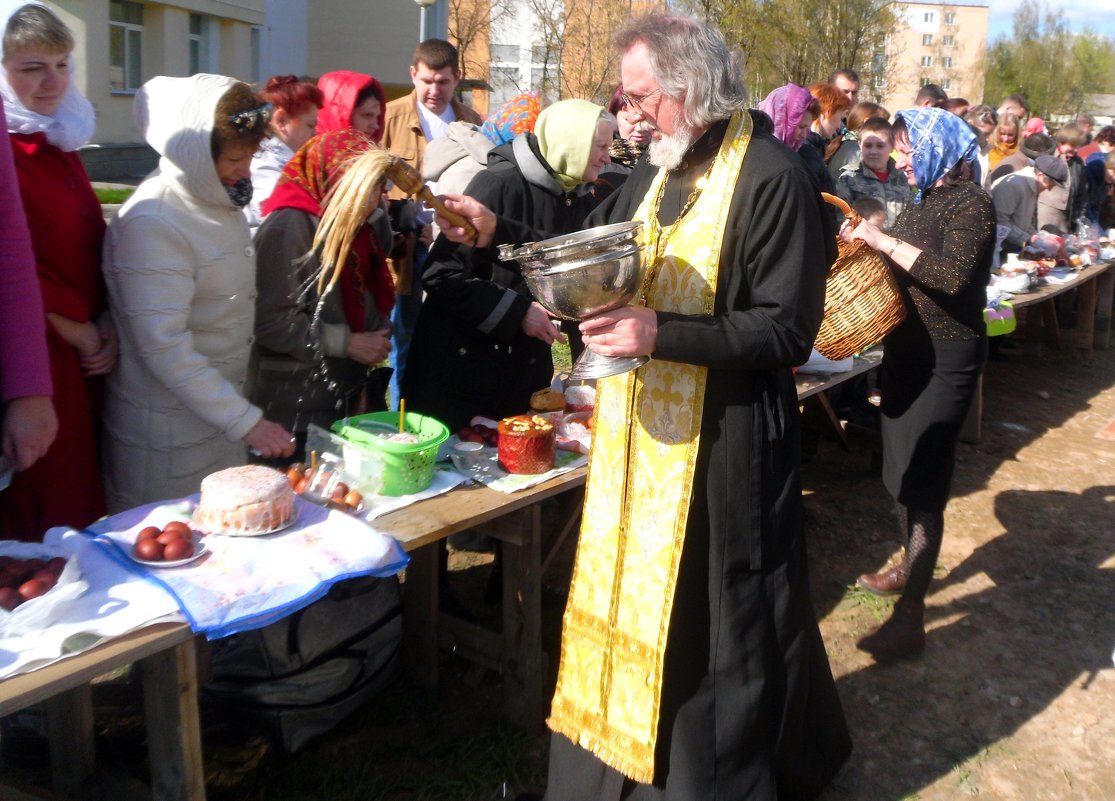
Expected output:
(940, 251)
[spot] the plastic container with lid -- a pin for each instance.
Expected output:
(408, 467)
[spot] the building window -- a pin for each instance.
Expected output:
(950, 17)
(946, 84)
(505, 54)
(201, 44)
(947, 40)
(125, 46)
(257, 53)
(927, 61)
(946, 62)
(927, 40)
(930, 16)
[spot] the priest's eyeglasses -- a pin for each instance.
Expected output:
(636, 101)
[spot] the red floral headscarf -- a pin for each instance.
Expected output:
(306, 180)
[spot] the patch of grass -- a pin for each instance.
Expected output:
(113, 196)
(857, 596)
(562, 358)
(409, 744)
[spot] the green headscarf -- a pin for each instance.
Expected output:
(566, 131)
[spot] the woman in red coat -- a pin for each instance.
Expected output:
(48, 120)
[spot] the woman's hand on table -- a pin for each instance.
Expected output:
(626, 331)
(270, 440)
(369, 347)
(537, 324)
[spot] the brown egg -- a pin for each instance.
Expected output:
(9, 598)
(6, 579)
(32, 589)
(150, 550)
(353, 499)
(179, 526)
(168, 537)
(149, 533)
(34, 565)
(56, 565)
(19, 571)
(295, 473)
(179, 549)
(46, 576)
(341, 488)
(302, 485)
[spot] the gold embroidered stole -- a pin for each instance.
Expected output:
(637, 500)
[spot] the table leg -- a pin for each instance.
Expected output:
(522, 621)
(173, 724)
(1050, 326)
(69, 717)
(420, 615)
(1083, 335)
(1105, 296)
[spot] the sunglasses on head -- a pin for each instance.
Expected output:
(253, 117)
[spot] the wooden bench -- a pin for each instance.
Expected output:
(166, 656)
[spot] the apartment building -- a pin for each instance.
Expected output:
(120, 44)
(935, 42)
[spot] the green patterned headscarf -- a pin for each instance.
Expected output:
(566, 131)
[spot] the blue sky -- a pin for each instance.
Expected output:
(1098, 15)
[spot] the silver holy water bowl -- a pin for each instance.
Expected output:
(582, 274)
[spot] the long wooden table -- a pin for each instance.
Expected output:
(166, 656)
(1093, 311)
(516, 521)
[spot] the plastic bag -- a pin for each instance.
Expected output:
(37, 614)
(1000, 318)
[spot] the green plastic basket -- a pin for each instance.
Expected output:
(407, 467)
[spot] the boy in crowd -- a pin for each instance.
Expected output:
(875, 175)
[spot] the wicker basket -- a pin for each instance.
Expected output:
(862, 300)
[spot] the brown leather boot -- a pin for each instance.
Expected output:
(889, 582)
(901, 637)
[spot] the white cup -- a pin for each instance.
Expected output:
(1012, 258)
(467, 456)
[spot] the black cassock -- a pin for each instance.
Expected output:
(749, 706)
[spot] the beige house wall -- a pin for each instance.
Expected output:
(907, 48)
(365, 37)
(165, 51)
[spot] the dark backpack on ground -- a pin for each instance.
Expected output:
(306, 673)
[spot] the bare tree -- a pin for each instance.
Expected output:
(470, 27)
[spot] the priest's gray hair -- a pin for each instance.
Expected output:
(692, 61)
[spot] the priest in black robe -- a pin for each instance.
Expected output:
(735, 701)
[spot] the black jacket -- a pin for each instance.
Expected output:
(470, 355)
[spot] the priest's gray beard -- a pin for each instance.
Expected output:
(669, 151)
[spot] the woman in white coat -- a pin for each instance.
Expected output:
(180, 270)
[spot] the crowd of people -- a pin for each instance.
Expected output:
(192, 335)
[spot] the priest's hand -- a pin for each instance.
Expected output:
(626, 331)
(481, 217)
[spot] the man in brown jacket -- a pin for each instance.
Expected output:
(412, 122)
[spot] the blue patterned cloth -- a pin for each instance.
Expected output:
(938, 141)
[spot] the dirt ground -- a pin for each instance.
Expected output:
(1013, 699)
(1015, 695)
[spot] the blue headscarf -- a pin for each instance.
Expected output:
(939, 140)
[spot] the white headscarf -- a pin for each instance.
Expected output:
(71, 125)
